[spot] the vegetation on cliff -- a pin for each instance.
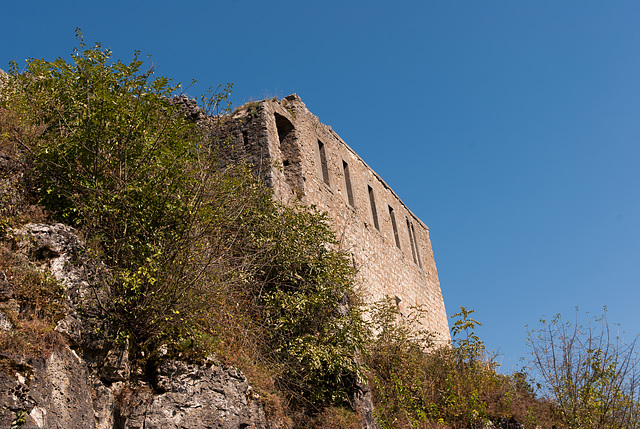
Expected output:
(203, 261)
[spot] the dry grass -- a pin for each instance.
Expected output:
(32, 338)
(335, 418)
(32, 302)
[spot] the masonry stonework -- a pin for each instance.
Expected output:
(305, 160)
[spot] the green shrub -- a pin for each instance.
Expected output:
(315, 329)
(117, 160)
(417, 384)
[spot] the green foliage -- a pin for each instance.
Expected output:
(20, 420)
(115, 158)
(112, 153)
(590, 372)
(295, 293)
(395, 360)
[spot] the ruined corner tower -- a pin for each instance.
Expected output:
(305, 160)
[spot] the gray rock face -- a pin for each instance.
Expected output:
(47, 393)
(196, 397)
(364, 406)
(7, 302)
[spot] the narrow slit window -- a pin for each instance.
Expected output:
(245, 140)
(347, 181)
(374, 212)
(323, 162)
(415, 243)
(413, 246)
(395, 227)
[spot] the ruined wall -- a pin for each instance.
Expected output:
(303, 159)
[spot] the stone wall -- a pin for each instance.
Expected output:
(303, 159)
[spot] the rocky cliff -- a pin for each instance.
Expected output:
(83, 382)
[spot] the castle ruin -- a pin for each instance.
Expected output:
(305, 160)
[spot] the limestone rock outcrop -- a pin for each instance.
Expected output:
(195, 396)
(87, 383)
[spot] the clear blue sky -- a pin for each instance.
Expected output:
(511, 128)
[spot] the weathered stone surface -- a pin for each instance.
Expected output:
(189, 107)
(14, 392)
(50, 241)
(364, 406)
(8, 303)
(51, 393)
(5, 323)
(103, 399)
(115, 366)
(59, 392)
(196, 397)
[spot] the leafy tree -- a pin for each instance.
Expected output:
(115, 158)
(589, 371)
